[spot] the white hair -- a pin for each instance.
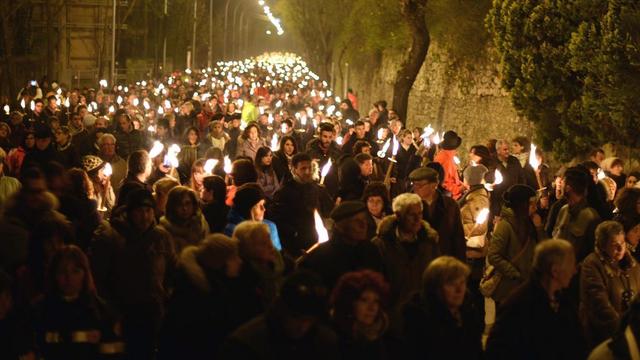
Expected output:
(501, 142)
(403, 201)
(106, 136)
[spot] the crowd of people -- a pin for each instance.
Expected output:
(245, 211)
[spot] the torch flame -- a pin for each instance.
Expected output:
(437, 139)
(483, 215)
(227, 165)
(601, 175)
(119, 100)
(274, 142)
(171, 159)
(456, 160)
(396, 146)
(380, 133)
(112, 109)
(385, 147)
(533, 159)
(7, 109)
(326, 168)
(108, 170)
(323, 234)
(498, 178)
(156, 150)
(209, 165)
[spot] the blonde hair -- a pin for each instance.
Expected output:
(403, 201)
(248, 231)
(442, 271)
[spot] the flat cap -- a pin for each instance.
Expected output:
(424, 173)
(347, 209)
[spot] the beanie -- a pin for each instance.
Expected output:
(247, 196)
(518, 194)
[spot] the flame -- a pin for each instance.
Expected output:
(112, 109)
(380, 133)
(427, 131)
(160, 110)
(136, 102)
(601, 175)
(7, 109)
(119, 100)
(146, 105)
(89, 108)
(32, 105)
(483, 215)
(108, 170)
(151, 128)
(209, 165)
(326, 168)
(103, 83)
(323, 234)
(437, 139)
(66, 103)
(156, 150)
(385, 147)
(171, 159)
(533, 159)
(456, 160)
(339, 140)
(396, 146)
(227, 165)
(498, 178)
(274, 142)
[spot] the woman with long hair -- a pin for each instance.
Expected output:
(72, 322)
(87, 216)
(15, 157)
(192, 149)
(282, 157)
(197, 177)
(183, 218)
(102, 191)
(213, 207)
(267, 178)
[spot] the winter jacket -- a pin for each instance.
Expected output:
(78, 329)
(204, 308)
(131, 267)
(472, 204)
(403, 261)
(606, 289)
(335, 257)
(292, 211)
(234, 218)
(216, 215)
(577, 224)
(451, 180)
(352, 183)
(511, 171)
(190, 233)
(432, 332)
(445, 219)
(68, 156)
(507, 242)
(526, 327)
(249, 148)
(129, 142)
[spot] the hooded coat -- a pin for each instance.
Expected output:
(192, 232)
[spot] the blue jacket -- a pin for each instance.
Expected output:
(233, 219)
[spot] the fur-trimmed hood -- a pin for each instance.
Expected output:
(194, 271)
(388, 225)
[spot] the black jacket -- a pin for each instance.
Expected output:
(432, 332)
(527, 328)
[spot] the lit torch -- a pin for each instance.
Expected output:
(209, 165)
(325, 171)
(321, 231)
(535, 164)
(108, 170)
(227, 165)
(392, 160)
(156, 150)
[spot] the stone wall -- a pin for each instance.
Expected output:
(464, 97)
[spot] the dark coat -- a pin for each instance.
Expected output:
(333, 152)
(69, 156)
(205, 307)
(527, 328)
(335, 257)
(512, 174)
(129, 142)
(292, 211)
(39, 158)
(129, 184)
(59, 321)
(216, 215)
(352, 183)
(432, 332)
(447, 221)
(16, 334)
(404, 262)
(264, 338)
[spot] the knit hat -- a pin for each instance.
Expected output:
(91, 162)
(247, 196)
(451, 140)
(138, 198)
(424, 173)
(518, 194)
(304, 294)
(215, 250)
(347, 209)
(475, 174)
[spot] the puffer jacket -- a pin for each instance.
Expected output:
(505, 246)
(404, 262)
(606, 290)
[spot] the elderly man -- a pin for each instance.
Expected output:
(107, 145)
(441, 212)
(407, 245)
(511, 170)
(349, 248)
(553, 330)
